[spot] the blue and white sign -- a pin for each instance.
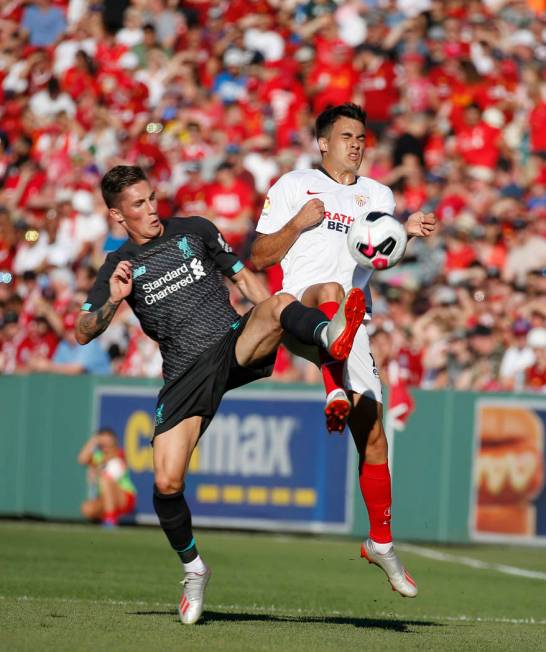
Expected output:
(265, 462)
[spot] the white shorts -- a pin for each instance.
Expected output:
(360, 374)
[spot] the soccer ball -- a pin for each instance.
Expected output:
(376, 240)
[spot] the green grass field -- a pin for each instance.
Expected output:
(66, 587)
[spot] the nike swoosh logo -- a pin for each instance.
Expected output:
(314, 193)
(369, 251)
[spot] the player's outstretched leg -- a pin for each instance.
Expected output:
(375, 485)
(264, 329)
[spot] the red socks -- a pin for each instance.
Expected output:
(332, 370)
(375, 485)
(110, 518)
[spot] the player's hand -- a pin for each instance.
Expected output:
(310, 215)
(121, 281)
(421, 224)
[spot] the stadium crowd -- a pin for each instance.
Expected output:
(215, 100)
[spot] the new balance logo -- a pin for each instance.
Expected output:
(197, 268)
(139, 271)
(224, 244)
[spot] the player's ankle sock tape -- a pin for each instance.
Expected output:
(306, 324)
(175, 519)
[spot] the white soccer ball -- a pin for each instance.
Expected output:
(376, 240)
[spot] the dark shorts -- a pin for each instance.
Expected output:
(199, 390)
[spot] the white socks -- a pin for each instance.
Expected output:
(196, 566)
(323, 338)
(382, 548)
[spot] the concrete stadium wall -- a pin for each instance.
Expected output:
(45, 420)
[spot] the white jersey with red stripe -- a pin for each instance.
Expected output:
(320, 254)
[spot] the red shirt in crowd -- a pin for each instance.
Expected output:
(450, 206)
(191, 199)
(37, 345)
(536, 377)
(333, 76)
(380, 93)
(76, 81)
(228, 203)
(537, 122)
(459, 257)
(286, 97)
(411, 361)
(479, 144)
(33, 185)
(435, 151)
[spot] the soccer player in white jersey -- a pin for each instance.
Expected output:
(303, 225)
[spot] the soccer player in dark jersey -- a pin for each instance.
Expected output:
(171, 274)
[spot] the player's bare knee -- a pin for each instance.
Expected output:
(330, 292)
(278, 303)
(168, 484)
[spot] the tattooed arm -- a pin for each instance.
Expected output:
(91, 324)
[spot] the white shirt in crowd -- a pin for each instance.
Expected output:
(514, 363)
(45, 106)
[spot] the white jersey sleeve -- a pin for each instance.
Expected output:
(384, 199)
(280, 205)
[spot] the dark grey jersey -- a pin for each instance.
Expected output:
(179, 294)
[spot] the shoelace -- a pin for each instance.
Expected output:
(191, 585)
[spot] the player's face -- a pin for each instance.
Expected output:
(137, 212)
(343, 149)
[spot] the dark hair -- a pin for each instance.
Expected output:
(53, 86)
(107, 431)
(90, 66)
(117, 179)
(329, 116)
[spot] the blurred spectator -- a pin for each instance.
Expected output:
(111, 493)
(72, 359)
(191, 197)
(535, 377)
(51, 101)
(517, 358)
(230, 204)
(43, 22)
(527, 252)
